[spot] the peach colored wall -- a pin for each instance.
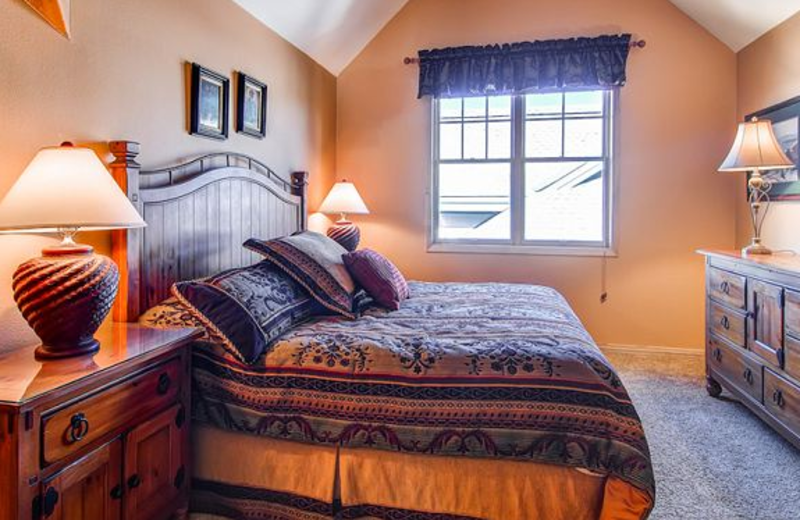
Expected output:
(122, 77)
(769, 73)
(677, 112)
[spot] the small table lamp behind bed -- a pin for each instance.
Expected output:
(343, 199)
(66, 293)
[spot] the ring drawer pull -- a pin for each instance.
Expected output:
(164, 382)
(718, 355)
(748, 375)
(134, 481)
(777, 398)
(725, 322)
(78, 427)
(725, 287)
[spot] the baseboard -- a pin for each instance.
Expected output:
(651, 349)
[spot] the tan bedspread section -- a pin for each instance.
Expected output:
(515, 490)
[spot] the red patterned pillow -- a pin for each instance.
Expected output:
(378, 276)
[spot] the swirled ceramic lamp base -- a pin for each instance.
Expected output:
(346, 234)
(65, 295)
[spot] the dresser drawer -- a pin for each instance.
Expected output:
(791, 360)
(725, 287)
(727, 323)
(735, 368)
(782, 399)
(792, 313)
(69, 429)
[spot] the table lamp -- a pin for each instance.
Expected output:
(343, 199)
(66, 293)
(754, 150)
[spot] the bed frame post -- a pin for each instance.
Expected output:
(127, 244)
(300, 189)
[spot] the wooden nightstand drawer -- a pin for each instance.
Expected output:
(725, 287)
(69, 429)
(727, 323)
(736, 368)
(782, 398)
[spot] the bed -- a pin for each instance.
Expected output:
(471, 401)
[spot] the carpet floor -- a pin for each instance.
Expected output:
(713, 459)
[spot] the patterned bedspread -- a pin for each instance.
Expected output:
(473, 370)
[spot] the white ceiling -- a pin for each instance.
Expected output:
(738, 23)
(333, 32)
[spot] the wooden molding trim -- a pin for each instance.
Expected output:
(651, 349)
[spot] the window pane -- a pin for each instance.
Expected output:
(583, 137)
(475, 108)
(450, 141)
(475, 141)
(538, 105)
(500, 107)
(584, 103)
(449, 109)
(564, 201)
(500, 140)
(474, 201)
(543, 138)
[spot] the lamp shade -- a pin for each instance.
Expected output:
(66, 187)
(344, 198)
(755, 148)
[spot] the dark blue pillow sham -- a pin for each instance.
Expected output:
(249, 307)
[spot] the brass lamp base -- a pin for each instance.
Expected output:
(756, 248)
(64, 296)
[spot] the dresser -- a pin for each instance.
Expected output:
(753, 334)
(98, 437)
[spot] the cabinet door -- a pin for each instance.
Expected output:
(89, 489)
(155, 466)
(766, 321)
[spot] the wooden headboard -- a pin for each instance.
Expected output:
(198, 215)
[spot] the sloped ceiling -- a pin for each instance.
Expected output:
(333, 32)
(738, 23)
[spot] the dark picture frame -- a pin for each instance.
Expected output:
(785, 119)
(251, 106)
(209, 107)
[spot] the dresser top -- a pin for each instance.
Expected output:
(782, 262)
(23, 378)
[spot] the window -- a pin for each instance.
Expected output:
(526, 173)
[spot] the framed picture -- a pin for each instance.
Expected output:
(251, 106)
(785, 119)
(209, 104)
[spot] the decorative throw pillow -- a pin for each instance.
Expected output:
(378, 276)
(248, 308)
(315, 261)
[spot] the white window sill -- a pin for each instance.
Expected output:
(507, 249)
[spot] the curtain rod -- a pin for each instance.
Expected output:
(635, 44)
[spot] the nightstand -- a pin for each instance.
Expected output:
(98, 437)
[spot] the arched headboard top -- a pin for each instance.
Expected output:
(198, 214)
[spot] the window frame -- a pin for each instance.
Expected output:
(517, 244)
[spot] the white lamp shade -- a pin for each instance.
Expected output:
(755, 148)
(66, 187)
(344, 198)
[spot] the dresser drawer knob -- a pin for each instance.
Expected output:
(778, 399)
(164, 382)
(50, 501)
(725, 287)
(748, 375)
(116, 492)
(725, 322)
(134, 481)
(78, 427)
(717, 355)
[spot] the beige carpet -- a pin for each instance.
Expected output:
(713, 459)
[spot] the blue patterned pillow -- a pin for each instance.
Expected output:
(248, 308)
(315, 262)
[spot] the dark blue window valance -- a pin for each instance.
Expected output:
(512, 68)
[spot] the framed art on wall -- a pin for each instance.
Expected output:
(251, 106)
(785, 119)
(210, 92)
